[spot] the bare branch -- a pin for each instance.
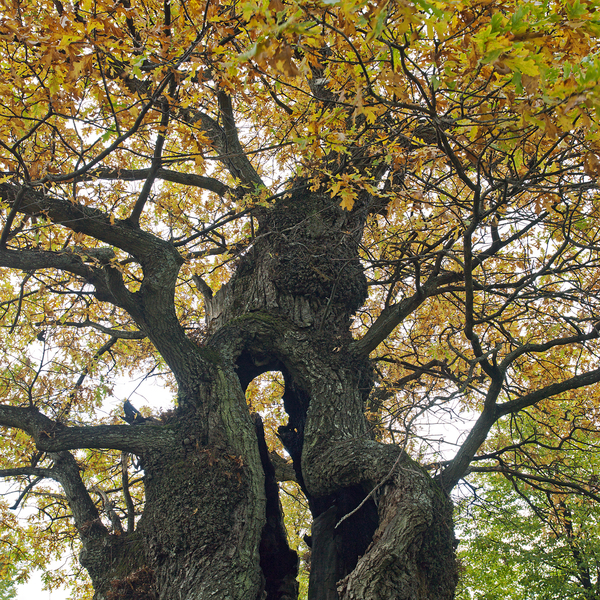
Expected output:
(393, 315)
(134, 217)
(459, 465)
(573, 383)
(126, 493)
(234, 154)
(27, 472)
(115, 333)
(109, 509)
(188, 179)
(529, 478)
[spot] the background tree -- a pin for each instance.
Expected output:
(391, 204)
(7, 590)
(528, 543)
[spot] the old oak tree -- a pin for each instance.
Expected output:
(392, 204)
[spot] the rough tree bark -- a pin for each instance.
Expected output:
(212, 524)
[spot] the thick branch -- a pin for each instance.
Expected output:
(543, 347)
(573, 383)
(50, 436)
(27, 471)
(33, 260)
(393, 315)
(137, 439)
(350, 462)
(234, 153)
(107, 282)
(459, 466)
(90, 221)
(225, 142)
(152, 306)
(67, 473)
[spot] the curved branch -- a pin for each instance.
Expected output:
(234, 155)
(538, 478)
(459, 466)
(32, 260)
(543, 347)
(65, 471)
(151, 306)
(109, 509)
(87, 518)
(108, 282)
(412, 511)
(393, 315)
(573, 383)
(90, 221)
(115, 333)
(26, 491)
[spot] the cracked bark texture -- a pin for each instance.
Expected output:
(288, 308)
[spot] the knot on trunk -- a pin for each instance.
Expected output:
(306, 269)
(314, 249)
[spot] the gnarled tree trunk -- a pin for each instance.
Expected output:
(212, 524)
(288, 308)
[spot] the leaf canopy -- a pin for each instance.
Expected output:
(471, 126)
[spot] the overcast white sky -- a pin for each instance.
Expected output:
(32, 590)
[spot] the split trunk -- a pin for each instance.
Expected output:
(212, 525)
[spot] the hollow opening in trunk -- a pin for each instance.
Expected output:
(335, 543)
(279, 559)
